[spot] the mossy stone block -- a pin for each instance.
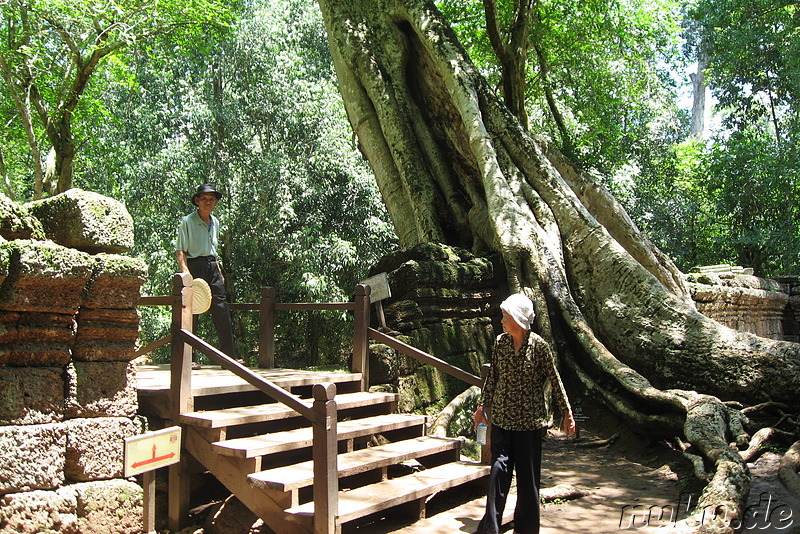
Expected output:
(86, 221)
(16, 221)
(43, 277)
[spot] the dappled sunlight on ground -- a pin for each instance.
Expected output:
(631, 484)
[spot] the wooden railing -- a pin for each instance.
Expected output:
(424, 357)
(322, 414)
(267, 307)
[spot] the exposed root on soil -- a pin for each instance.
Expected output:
(562, 492)
(596, 443)
(788, 470)
(438, 427)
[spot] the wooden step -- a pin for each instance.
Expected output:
(275, 411)
(296, 476)
(302, 437)
(366, 500)
(213, 380)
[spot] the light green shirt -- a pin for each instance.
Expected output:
(196, 238)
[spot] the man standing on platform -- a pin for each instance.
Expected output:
(196, 250)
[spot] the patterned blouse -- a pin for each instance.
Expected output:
(518, 387)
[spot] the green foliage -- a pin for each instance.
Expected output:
(51, 52)
(750, 170)
(604, 62)
(754, 53)
(258, 114)
(756, 192)
(608, 66)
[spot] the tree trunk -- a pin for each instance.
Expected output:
(699, 90)
(511, 55)
(455, 166)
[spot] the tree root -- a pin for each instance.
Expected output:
(764, 406)
(708, 423)
(596, 443)
(699, 466)
(788, 470)
(562, 492)
(438, 427)
(760, 438)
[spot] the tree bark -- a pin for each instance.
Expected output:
(511, 55)
(455, 166)
(699, 90)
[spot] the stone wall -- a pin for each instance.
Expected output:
(68, 326)
(765, 307)
(446, 302)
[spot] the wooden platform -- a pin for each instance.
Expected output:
(213, 380)
(153, 381)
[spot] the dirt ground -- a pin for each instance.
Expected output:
(629, 485)
(621, 482)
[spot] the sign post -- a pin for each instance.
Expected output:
(144, 454)
(379, 290)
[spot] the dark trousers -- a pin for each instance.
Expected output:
(521, 451)
(206, 267)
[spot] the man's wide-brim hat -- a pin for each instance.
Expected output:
(205, 188)
(201, 296)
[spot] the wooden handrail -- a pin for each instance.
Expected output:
(276, 392)
(153, 346)
(322, 414)
(424, 357)
(280, 306)
(266, 351)
(157, 300)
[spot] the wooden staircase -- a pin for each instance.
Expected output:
(262, 452)
(302, 465)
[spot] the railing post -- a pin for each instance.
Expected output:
(326, 470)
(181, 363)
(181, 400)
(360, 335)
(486, 450)
(266, 329)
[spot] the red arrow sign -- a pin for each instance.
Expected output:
(152, 450)
(152, 460)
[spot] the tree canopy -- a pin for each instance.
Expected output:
(255, 112)
(51, 51)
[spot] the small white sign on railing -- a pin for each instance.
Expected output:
(379, 287)
(378, 291)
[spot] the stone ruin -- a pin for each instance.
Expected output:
(446, 301)
(731, 295)
(68, 328)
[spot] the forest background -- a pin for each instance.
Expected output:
(143, 101)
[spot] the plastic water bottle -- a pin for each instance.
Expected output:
(480, 433)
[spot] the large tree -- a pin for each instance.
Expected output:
(51, 50)
(455, 166)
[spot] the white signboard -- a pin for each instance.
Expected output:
(152, 450)
(379, 287)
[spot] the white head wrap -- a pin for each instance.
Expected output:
(520, 308)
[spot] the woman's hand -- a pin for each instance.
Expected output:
(480, 415)
(568, 424)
